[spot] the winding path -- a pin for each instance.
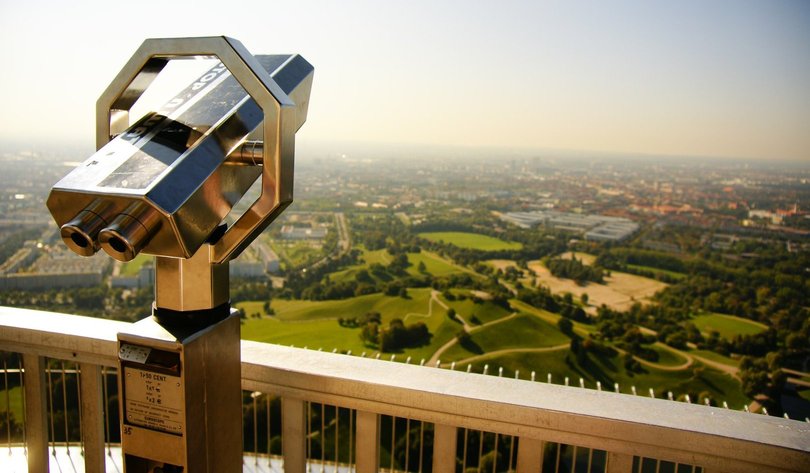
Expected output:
(467, 328)
(507, 351)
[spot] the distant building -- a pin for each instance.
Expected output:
(593, 227)
(613, 232)
(246, 269)
(269, 258)
(289, 232)
(22, 258)
(144, 278)
(31, 281)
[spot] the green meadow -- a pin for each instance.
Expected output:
(521, 331)
(434, 265)
(712, 356)
(472, 241)
(728, 326)
(667, 356)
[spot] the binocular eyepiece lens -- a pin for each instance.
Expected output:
(81, 233)
(122, 239)
(126, 236)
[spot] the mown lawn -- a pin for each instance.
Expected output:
(472, 241)
(523, 331)
(728, 326)
(325, 334)
(550, 317)
(483, 312)
(710, 355)
(667, 356)
(436, 267)
(315, 324)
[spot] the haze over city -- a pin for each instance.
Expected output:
(719, 78)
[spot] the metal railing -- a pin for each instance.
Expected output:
(307, 410)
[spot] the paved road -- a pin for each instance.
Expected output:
(344, 243)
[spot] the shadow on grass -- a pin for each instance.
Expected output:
(469, 344)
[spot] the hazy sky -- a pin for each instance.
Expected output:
(712, 78)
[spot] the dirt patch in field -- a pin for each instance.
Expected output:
(501, 264)
(619, 292)
(484, 296)
(586, 258)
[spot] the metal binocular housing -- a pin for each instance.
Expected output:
(164, 184)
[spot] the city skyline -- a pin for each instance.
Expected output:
(720, 79)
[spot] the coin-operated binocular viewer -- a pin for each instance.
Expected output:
(164, 186)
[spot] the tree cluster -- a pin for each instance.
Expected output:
(576, 270)
(395, 337)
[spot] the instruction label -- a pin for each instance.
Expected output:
(153, 400)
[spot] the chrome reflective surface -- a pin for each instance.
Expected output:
(171, 160)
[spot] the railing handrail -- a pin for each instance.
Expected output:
(715, 438)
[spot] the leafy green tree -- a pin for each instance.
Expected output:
(565, 325)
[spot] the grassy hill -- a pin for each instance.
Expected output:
(516, 332)
(727, 325)
(434, 265)
(560, 364)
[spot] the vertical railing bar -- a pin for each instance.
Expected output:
(81, 427)
(480, 449)
(559, 450)
(106, 400)
(254, 395)
(368, 449)
(91, 417)
(337, 432)
(393, 440)
(590, 459)
(24, 402)
(421, 444)
(407, 443)
(574, 459)
(64, 407)
(269, 433)
(8, 405)
(323, 436)
(309, 434)
(530, 455)
(495, 457)
(50, 410)
(512, 454)
(620, 463)
(36, 412)
(351, 438)
(464, 454)
(445, 448)
(293, 418)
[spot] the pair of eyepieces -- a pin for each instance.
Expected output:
(122, 236)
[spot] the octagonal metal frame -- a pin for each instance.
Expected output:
(278, 125)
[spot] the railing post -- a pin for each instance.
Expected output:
(92, 417)
(444, 448)
(367, 442)
(530, 455)
(294, 435)
(36, 413)
(619, 463)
